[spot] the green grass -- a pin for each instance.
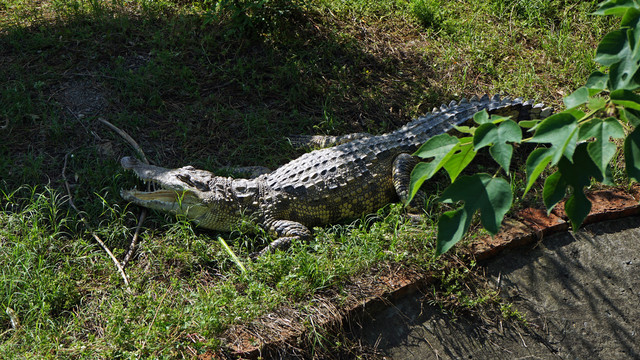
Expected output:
(194, 84)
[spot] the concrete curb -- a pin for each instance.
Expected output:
(525, 227)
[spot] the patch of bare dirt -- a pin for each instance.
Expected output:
(82, 97)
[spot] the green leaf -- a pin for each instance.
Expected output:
(465, 129)
(614, 7)
(613, 48)
(597, 82)
(632, 154)
(624, 75)
(461, 156)
(577, 208)
(502, 153)
(602, 149)
(626, 98)
(555, 187)
(630, 116)
(596, 104)
(437, 146)
(619, 50)
(535, 165)
(496, 119)
(420, 173)
(491, 196)
(630, 18)
(582, 169)
(528, 124)
(452, 225)
(561, 131)
(497, 137)
(577, 98)
(440, 148)
(601, 129)
(576, 113)
(481, 117)
(577, 175)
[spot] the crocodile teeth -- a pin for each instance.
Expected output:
(484, 98)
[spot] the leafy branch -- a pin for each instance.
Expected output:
(578, 143)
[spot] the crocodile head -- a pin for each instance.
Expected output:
(186, 191)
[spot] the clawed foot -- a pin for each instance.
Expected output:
(279, 243)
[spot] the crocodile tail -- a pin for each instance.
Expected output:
(517, 108)
(444, 119)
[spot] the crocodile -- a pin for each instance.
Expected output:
(352, 175)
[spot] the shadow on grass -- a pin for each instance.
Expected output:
(189, 92)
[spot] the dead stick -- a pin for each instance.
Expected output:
(134, 240)
(88, 226)
(128, 138)
(143, 213)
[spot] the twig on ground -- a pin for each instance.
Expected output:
(128, 138)
(88, 226)
(134, 240)
(155, 315)
(143, 213)
(83, 124)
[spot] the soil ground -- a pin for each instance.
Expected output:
(579, 293)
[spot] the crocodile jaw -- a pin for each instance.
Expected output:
(184, 203)
(175, 193)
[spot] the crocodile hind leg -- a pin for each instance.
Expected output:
(402, 167)
(285, 232)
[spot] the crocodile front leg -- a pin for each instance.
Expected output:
(285, 231)
(401, 174)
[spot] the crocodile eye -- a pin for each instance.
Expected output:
(186, 179)
(196, 184)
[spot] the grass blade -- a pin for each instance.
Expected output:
(232, 254)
